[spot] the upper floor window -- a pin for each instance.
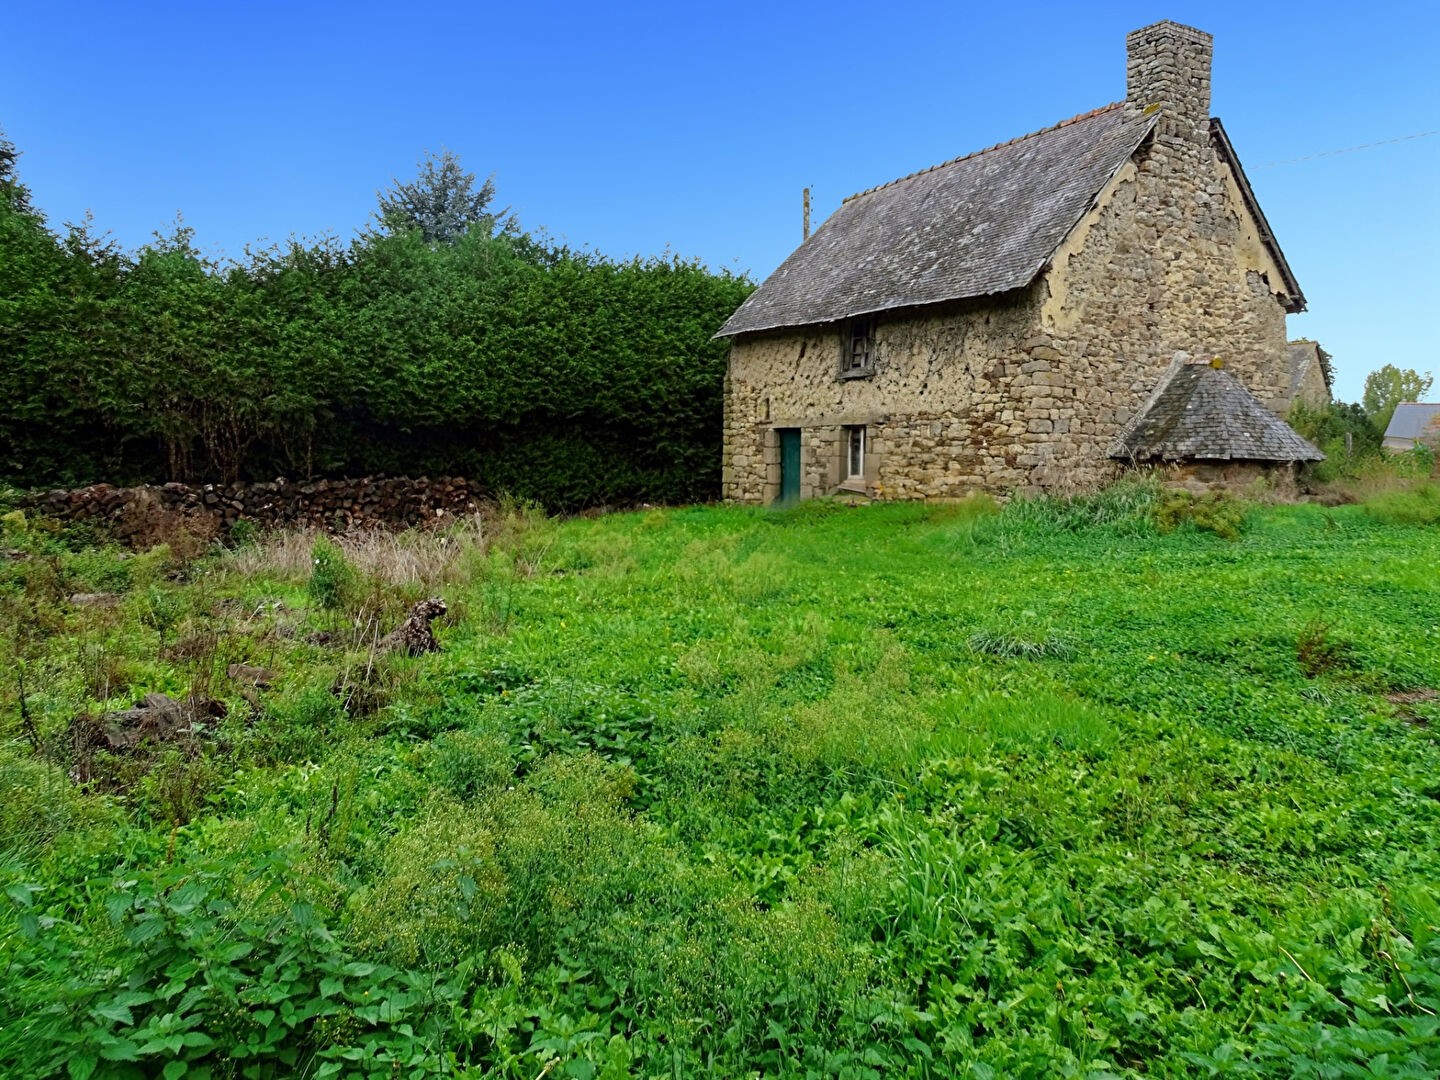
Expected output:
(858, 355)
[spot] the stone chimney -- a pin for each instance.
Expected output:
(1168, 65)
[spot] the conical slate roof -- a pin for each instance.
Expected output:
(1205, 413)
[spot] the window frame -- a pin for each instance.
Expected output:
(854, 463)
(861, 329)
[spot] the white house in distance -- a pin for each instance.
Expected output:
(1414, 423)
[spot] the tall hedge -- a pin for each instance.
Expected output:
(560, 376)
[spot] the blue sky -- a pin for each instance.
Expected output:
(633, 128)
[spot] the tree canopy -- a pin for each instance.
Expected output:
(1388, 387)
(442, 202)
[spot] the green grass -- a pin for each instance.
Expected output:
(860, 792)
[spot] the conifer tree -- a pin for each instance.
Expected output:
(442, 202)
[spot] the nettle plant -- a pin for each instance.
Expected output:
(184, 981)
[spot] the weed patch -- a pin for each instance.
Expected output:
(1049, 789)
(1216, 512)
(1417, 506)
(1013, 646)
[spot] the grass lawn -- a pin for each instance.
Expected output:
(861, 792)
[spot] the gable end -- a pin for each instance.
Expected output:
(1295, 299)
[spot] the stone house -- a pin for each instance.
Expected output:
(999, 322)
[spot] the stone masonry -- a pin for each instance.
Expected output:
(130, 514)
(1027, 391)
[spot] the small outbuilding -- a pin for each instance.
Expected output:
(1205, 425)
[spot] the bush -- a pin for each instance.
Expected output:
(1417, 506)
(1216, 511)
(333, 581)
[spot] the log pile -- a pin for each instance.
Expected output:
(334, 505)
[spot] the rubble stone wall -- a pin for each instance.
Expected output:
(336, 505)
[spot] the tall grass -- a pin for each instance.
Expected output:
(1126, 508)
(412, 557)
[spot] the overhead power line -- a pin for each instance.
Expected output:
(1351, 149)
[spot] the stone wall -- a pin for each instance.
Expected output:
(131, 514)
(1029, 391)
(956, 402)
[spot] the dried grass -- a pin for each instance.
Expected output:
(415, 557)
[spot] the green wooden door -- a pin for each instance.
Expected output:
(789, 465)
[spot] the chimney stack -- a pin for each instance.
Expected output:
(1168, 66)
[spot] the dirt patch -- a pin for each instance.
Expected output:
(156, 721)
(1404, 699)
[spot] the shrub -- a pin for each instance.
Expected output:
(244, 533)
(1215, 511)
(333, 581)
(1317, 651)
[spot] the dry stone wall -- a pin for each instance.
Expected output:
(338, 505)
(1029, 391)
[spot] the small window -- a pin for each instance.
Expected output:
(858, 357)
(855, 453)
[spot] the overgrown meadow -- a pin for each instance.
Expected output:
(1076, 788)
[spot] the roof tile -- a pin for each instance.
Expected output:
(981, 224)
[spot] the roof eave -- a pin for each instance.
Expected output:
(902, 305)
(1176, 457)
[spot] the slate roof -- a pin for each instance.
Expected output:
(1414, 420)
(978, 225)
(1204, 413)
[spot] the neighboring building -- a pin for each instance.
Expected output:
(1413, 423)
(997, 322)
(1311, 375)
